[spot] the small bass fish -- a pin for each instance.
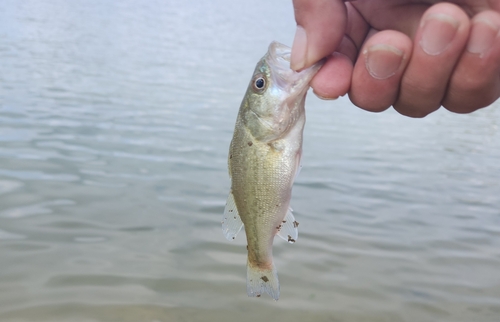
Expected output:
(264, 159)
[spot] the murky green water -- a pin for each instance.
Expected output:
(115, 121)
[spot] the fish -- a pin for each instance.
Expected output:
(264, 160)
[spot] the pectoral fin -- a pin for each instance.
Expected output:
(231, 221)
(288, 229)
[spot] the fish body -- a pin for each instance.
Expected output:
(264, 159)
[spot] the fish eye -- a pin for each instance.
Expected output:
(259, 84)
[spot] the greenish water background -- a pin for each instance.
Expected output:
(115, 121)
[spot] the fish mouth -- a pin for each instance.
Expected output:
(292, 82)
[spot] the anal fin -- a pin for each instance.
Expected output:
(288, 228)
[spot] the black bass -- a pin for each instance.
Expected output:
(264, 159)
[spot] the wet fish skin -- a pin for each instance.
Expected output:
(264, 159)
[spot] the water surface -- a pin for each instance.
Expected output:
(115, 121)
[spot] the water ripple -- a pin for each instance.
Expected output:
(5, 235)
(35, 209)
(7, 186)
(38, 175)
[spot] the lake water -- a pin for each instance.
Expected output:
(115, 122)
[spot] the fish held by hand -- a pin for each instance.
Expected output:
(264, 159)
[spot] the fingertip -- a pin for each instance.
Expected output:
(334, 78)
(441, 26)
(379, 69)
(439, 42)
(299, 49)
(382, 61)
(485, 32)
(320, 28)
(475, 82)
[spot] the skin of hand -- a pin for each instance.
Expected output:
(413, 55)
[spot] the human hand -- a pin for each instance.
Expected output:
(413, 55)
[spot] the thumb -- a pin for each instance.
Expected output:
(320, 27)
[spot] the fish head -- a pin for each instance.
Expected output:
(275, 96)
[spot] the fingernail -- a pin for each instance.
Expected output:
(482, 37)
(438, 32)
(299, 49)
(382, 61)
(324, 97)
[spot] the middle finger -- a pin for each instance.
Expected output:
(438, 44)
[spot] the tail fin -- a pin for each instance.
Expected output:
(261, 280)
